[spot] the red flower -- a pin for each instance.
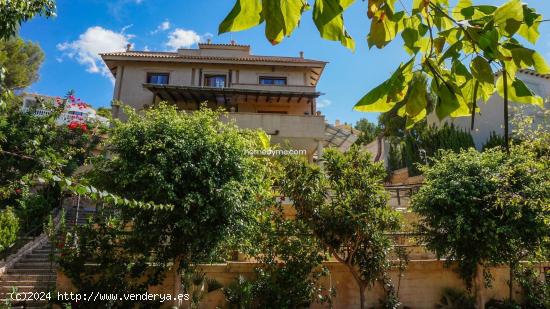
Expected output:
(84, 127)
(73, 125)
(18, 191)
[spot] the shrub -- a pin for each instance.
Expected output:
(456, 299)
(9, 227)
(485, 208)
(494, 140)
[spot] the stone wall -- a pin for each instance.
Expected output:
(421, 284)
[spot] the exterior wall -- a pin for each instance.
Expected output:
(132, 75)
(491, 115)
(421, 285)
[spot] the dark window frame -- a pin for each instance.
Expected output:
(273, 78)
(150, 74)
(207, 76)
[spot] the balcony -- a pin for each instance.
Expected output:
(300, 131)
(290, 88)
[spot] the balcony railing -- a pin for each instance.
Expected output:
(282, 125)
(294, 88)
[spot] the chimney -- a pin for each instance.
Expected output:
(337, 123)
(128, 47)
(302, 54)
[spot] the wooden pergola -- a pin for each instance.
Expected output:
(226, 96)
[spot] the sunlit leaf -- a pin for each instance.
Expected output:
(244, 15)
(481, 70)
(518, 92)
(509, 17)
(387, 94)
(527, 58)
(329, 19)
(529, 29)
(281, 17)
(460, 6)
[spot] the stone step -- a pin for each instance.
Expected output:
(4, 284)
(35, 259)
(27, 288)
(30, 271)
(36, 256)
(31, 265)
(28, 277)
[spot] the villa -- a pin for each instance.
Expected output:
(273, 93)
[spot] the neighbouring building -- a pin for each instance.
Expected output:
(73, 111)
(276, 94)
(491, 113)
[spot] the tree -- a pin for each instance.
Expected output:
(21, 61)
(484, 209)
(192, 161)
(368, 131)
(14, 12)
(345, 206)
(37, 157)
(105, 112)
(437, 37)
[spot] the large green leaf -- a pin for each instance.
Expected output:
(244, 15)
(481, 70)
(509, 17)
(281, 17)
(386, 95)
(384, 28)
(417, 97)
(529, 29)
(329, 19)
(461, 6)
(518, 92)
(527, 58)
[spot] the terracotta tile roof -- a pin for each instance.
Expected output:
(177, 56)
(534, 73)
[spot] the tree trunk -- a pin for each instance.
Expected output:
(506, 129)
(362, 295)
(511, 283)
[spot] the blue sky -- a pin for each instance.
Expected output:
(72, 39)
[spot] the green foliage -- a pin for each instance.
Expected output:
(14, 12)
(239, 294)
(9, 227)
(502, 304)
(437, 38)
(424, 142)
(367, 131)
(105, 112)
(345, 206)
(290, 263)
(493, 141)
(536, 290)
(193, 162)
(22, 61)
(483, 209)
(396, 155)
(197, 285)
(456, 299)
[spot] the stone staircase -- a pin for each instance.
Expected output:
(35, 271)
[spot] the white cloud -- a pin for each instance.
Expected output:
(323, 103)
(181, 38)
(93, 41)
(165, 25)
